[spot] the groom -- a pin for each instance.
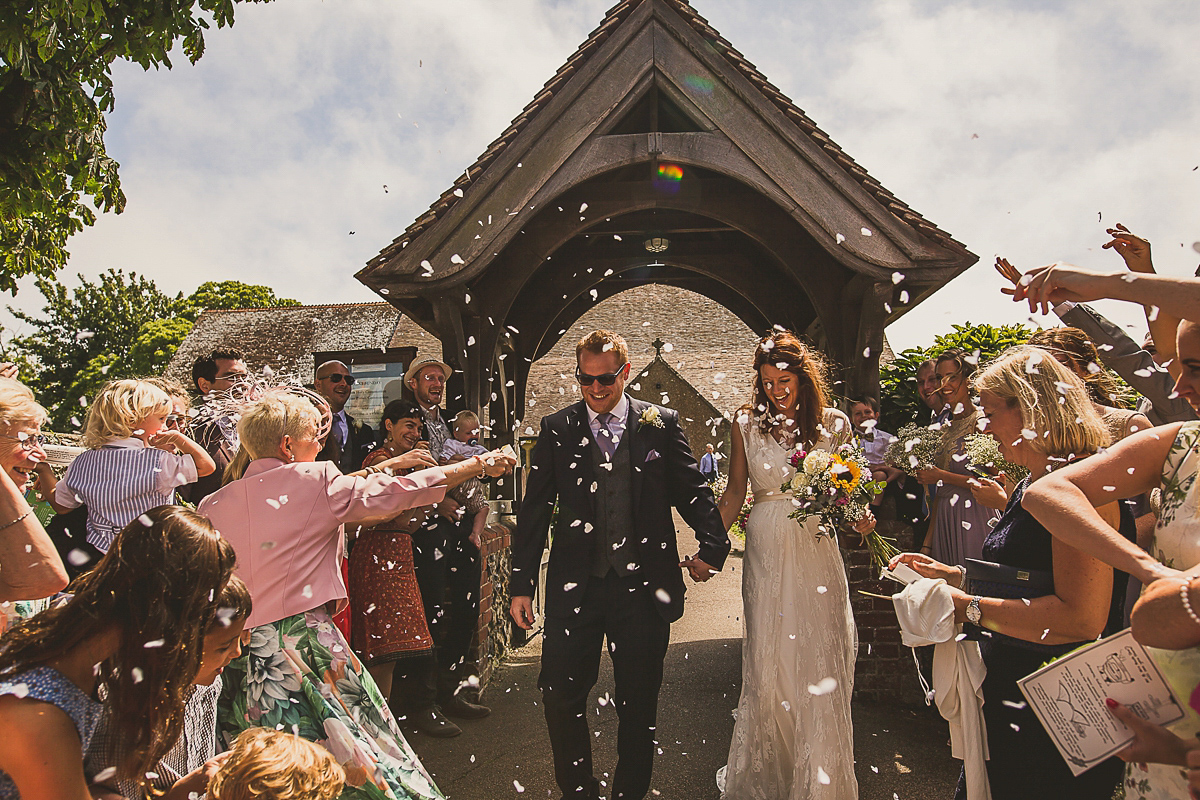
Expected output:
(615, 466)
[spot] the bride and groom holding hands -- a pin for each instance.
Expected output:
(616, 466)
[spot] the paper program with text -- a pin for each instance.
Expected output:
(1068, 695)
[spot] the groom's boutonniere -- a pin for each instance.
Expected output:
(650, 417)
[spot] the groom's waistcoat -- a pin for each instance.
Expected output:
(614, 510)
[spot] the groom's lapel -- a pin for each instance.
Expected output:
(580, 440)
(638, 448)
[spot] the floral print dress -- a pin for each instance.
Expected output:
(299, 675)
(1176, 545)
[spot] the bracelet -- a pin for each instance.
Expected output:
(1184, 588)
(962, 581)
(482, 465)
(15, 521)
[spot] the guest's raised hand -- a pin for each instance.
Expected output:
(195, 783)
(8, 370)
(1010, 273)
(497, 462)
(927, 567)
(168, 440)
(413, 459)
(1132, 248)
(1045, 287)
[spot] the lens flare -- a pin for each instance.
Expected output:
(698, 84)
(668, 177)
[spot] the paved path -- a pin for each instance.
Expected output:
(901, 752)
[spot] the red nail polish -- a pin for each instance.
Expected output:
(1108, 701)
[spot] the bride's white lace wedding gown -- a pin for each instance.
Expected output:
(793, 738)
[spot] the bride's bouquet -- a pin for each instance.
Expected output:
(916, 447)
(837, 488)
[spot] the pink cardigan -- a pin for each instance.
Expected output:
(285, 521)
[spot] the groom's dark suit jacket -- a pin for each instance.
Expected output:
(665, 474)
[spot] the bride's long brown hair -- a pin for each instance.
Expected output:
(783, 350)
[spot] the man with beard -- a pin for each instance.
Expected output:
(448, 569)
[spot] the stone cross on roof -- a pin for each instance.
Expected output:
(657, 344)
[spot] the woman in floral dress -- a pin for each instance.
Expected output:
(284, 516)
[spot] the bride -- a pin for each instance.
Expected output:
(792, 739)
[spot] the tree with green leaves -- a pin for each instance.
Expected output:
(119, 326)
(56, 60)
(230, 294)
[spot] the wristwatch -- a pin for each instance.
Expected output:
(974, 614)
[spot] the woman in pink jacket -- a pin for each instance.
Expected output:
(285, 517)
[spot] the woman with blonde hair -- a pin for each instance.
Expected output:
(1078, 353)
(30, 568)
(285, 514)
(790, 742)
(1040, 414)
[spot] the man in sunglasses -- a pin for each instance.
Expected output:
(615, 466)
(349, 440)
(214, 373)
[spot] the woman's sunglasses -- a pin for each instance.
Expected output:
(608, 379)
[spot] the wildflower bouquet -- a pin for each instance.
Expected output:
(837, 487)
(983, 453)
(916, 447)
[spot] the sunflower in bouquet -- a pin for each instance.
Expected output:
(836, 487)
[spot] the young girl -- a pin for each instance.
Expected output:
(134, 462)
(132, 632)
(186, 770)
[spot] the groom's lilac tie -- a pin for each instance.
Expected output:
(604, 436)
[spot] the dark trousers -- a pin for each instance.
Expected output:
(463, 576)
(637, 644)
(448, 574)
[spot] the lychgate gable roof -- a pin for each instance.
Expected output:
(658, 132)
(715, 47)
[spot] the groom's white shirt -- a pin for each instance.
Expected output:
(617, 428)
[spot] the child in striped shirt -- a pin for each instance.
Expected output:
(133, 463)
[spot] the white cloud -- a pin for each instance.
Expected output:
(257, 163)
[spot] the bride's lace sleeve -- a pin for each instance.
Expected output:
(837, 427)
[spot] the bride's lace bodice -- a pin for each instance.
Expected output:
(768, 461)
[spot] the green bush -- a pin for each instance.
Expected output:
(898, 398)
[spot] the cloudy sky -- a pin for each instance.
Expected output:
(1023, 128)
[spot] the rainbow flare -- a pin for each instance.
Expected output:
(668, 177)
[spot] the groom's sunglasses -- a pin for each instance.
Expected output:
(607, 379)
